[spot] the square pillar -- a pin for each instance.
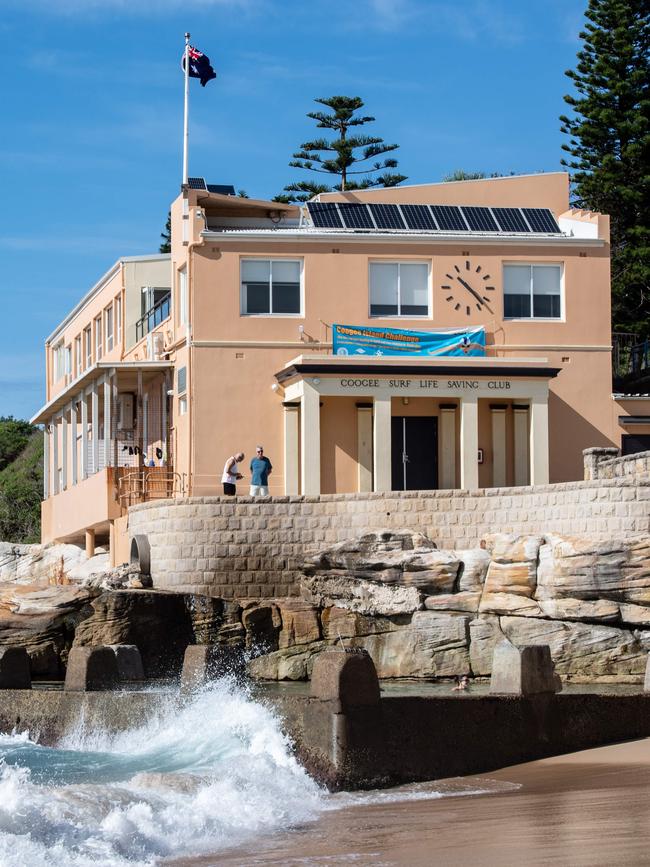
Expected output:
(539, 472)
(107, 423)
(47, 438)
(499, 468)
(520, 424)
(447, 447)
(94, 406)
(64, 449)
(381, 443)
(73, 442)
(364, 447)
(469, 442)
(55, 455)
(84, 435)
(291, 447)
(310, 439)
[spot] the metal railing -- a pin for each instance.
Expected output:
(144, 485)
(630, 355)
(153, 317)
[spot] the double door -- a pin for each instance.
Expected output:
(414, 448)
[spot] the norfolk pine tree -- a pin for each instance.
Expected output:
(609, 131)
(342, 156)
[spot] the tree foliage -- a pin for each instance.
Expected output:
(14, 435)
(345, 157)
(21, 486)
(609, 144)
(166, 235)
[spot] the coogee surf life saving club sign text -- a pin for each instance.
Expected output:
(361, 340)
(426, 385)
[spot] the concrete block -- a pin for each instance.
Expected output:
(526, 670)
(347, 677)
(14, 668)
(203, 663)
(129, 662)
(91, 668)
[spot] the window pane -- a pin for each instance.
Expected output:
(414, 289)
(286, 297)
(285, 272)
(547, 306)
(383, 289)
(257, 298)
(546, 279)
(516, 306)
(255, 271)
(516, 291)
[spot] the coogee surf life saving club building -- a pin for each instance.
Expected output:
(450, 335)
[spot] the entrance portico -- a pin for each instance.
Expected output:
(490, 428)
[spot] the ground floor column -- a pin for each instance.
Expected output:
(447, 474)
(55, 455)
(107, 422)
(94, 402)
(382, 443)
(499, 471)
(46, 462)
(539, 471)
(469, 442)
(73, 443)
(84, 435)
(310, 439)
(364, 447)
(520, 413)
(90, 543)
(291, 447)
(64, 449)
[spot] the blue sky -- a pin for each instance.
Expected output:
(91, 118)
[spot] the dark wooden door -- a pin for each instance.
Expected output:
(414, 455)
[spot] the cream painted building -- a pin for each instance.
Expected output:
(171, 364)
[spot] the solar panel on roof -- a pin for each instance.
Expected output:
(224, 189)
(449, 217)
(196, 183)
(418, 217)
(325, 215)
(510, 220)
(541, 220)
(479, 219)
(355, 216)
(387, 216)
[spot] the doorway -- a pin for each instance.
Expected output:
(414, 453)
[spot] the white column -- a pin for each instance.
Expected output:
(94, 408)
(84, 436)
(163, 422)
(55, 455)
(145, 429)
(469, 442)
(520, 413)
(46, 462)
(107, 423)
(447, 449)
(73, 442)
(381, 443)
(310, 439)
(291, 448)
(64, 449)
(364, 446)
(499, 467)
(539, 441)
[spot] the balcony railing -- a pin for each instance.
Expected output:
(631, 356)
(153, 317)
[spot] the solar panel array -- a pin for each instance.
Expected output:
(431, 218)
(200, 184)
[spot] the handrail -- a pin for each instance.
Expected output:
(143, 485)
(631, 356)
(153, 317)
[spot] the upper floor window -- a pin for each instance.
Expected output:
(118, 320)
(99, 344)
(88, 346)
(59, 361)
(78, 357)
(108, 323)
(271, 287)
(399, 289)
(532, 291)
(182, 296)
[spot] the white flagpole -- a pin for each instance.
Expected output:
(186, 111)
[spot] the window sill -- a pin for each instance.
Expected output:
(273, 315)
(534, 319)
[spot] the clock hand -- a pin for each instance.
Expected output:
(474, 293)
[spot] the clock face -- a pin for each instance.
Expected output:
(467, 288)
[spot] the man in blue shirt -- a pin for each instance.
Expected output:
(260, 471)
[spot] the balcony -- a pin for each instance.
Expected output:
(153, 317)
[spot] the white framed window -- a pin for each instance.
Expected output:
(182, 405)
(78, 356)
(118, 320)
(182, 296)
(108, 327)
(399, 289)
(68, 359)
(59, 361)
(99, 343)
(532, 291)
(272, 287)
(88, 345)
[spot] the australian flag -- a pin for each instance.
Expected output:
(199, 66)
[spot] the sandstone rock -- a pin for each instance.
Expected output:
(432, 571)
(366, 597)
(292, 663)
(31, 563)
(509, 603)
(635, 615)
(485, 633)
(522, 671)
(91, 668)
(513, 566)
(373, 551)
(579, 609)
(646, 680)
(579, 648)
(14, 668)
(474, 566)
(129, 662)
(463, 601)
(300, 624)
(338, 623)
(203, 663)
(346, 678)
(262, 624)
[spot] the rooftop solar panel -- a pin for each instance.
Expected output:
(449, 217)
(479, 219)
(356, 216)
(541, 220)
(387, 216)
(419, 217)
(196, 183)
(510, 220)
(224, 189)
(325, 215)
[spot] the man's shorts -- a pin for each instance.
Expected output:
(259, 491)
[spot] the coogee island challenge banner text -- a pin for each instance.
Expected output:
(361, 340)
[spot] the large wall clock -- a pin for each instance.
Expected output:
(466, 287)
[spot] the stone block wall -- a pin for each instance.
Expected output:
(240, 547)
(607, 463)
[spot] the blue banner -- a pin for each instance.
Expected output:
(362, 340)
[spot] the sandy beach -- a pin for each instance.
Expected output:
(586, 808)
